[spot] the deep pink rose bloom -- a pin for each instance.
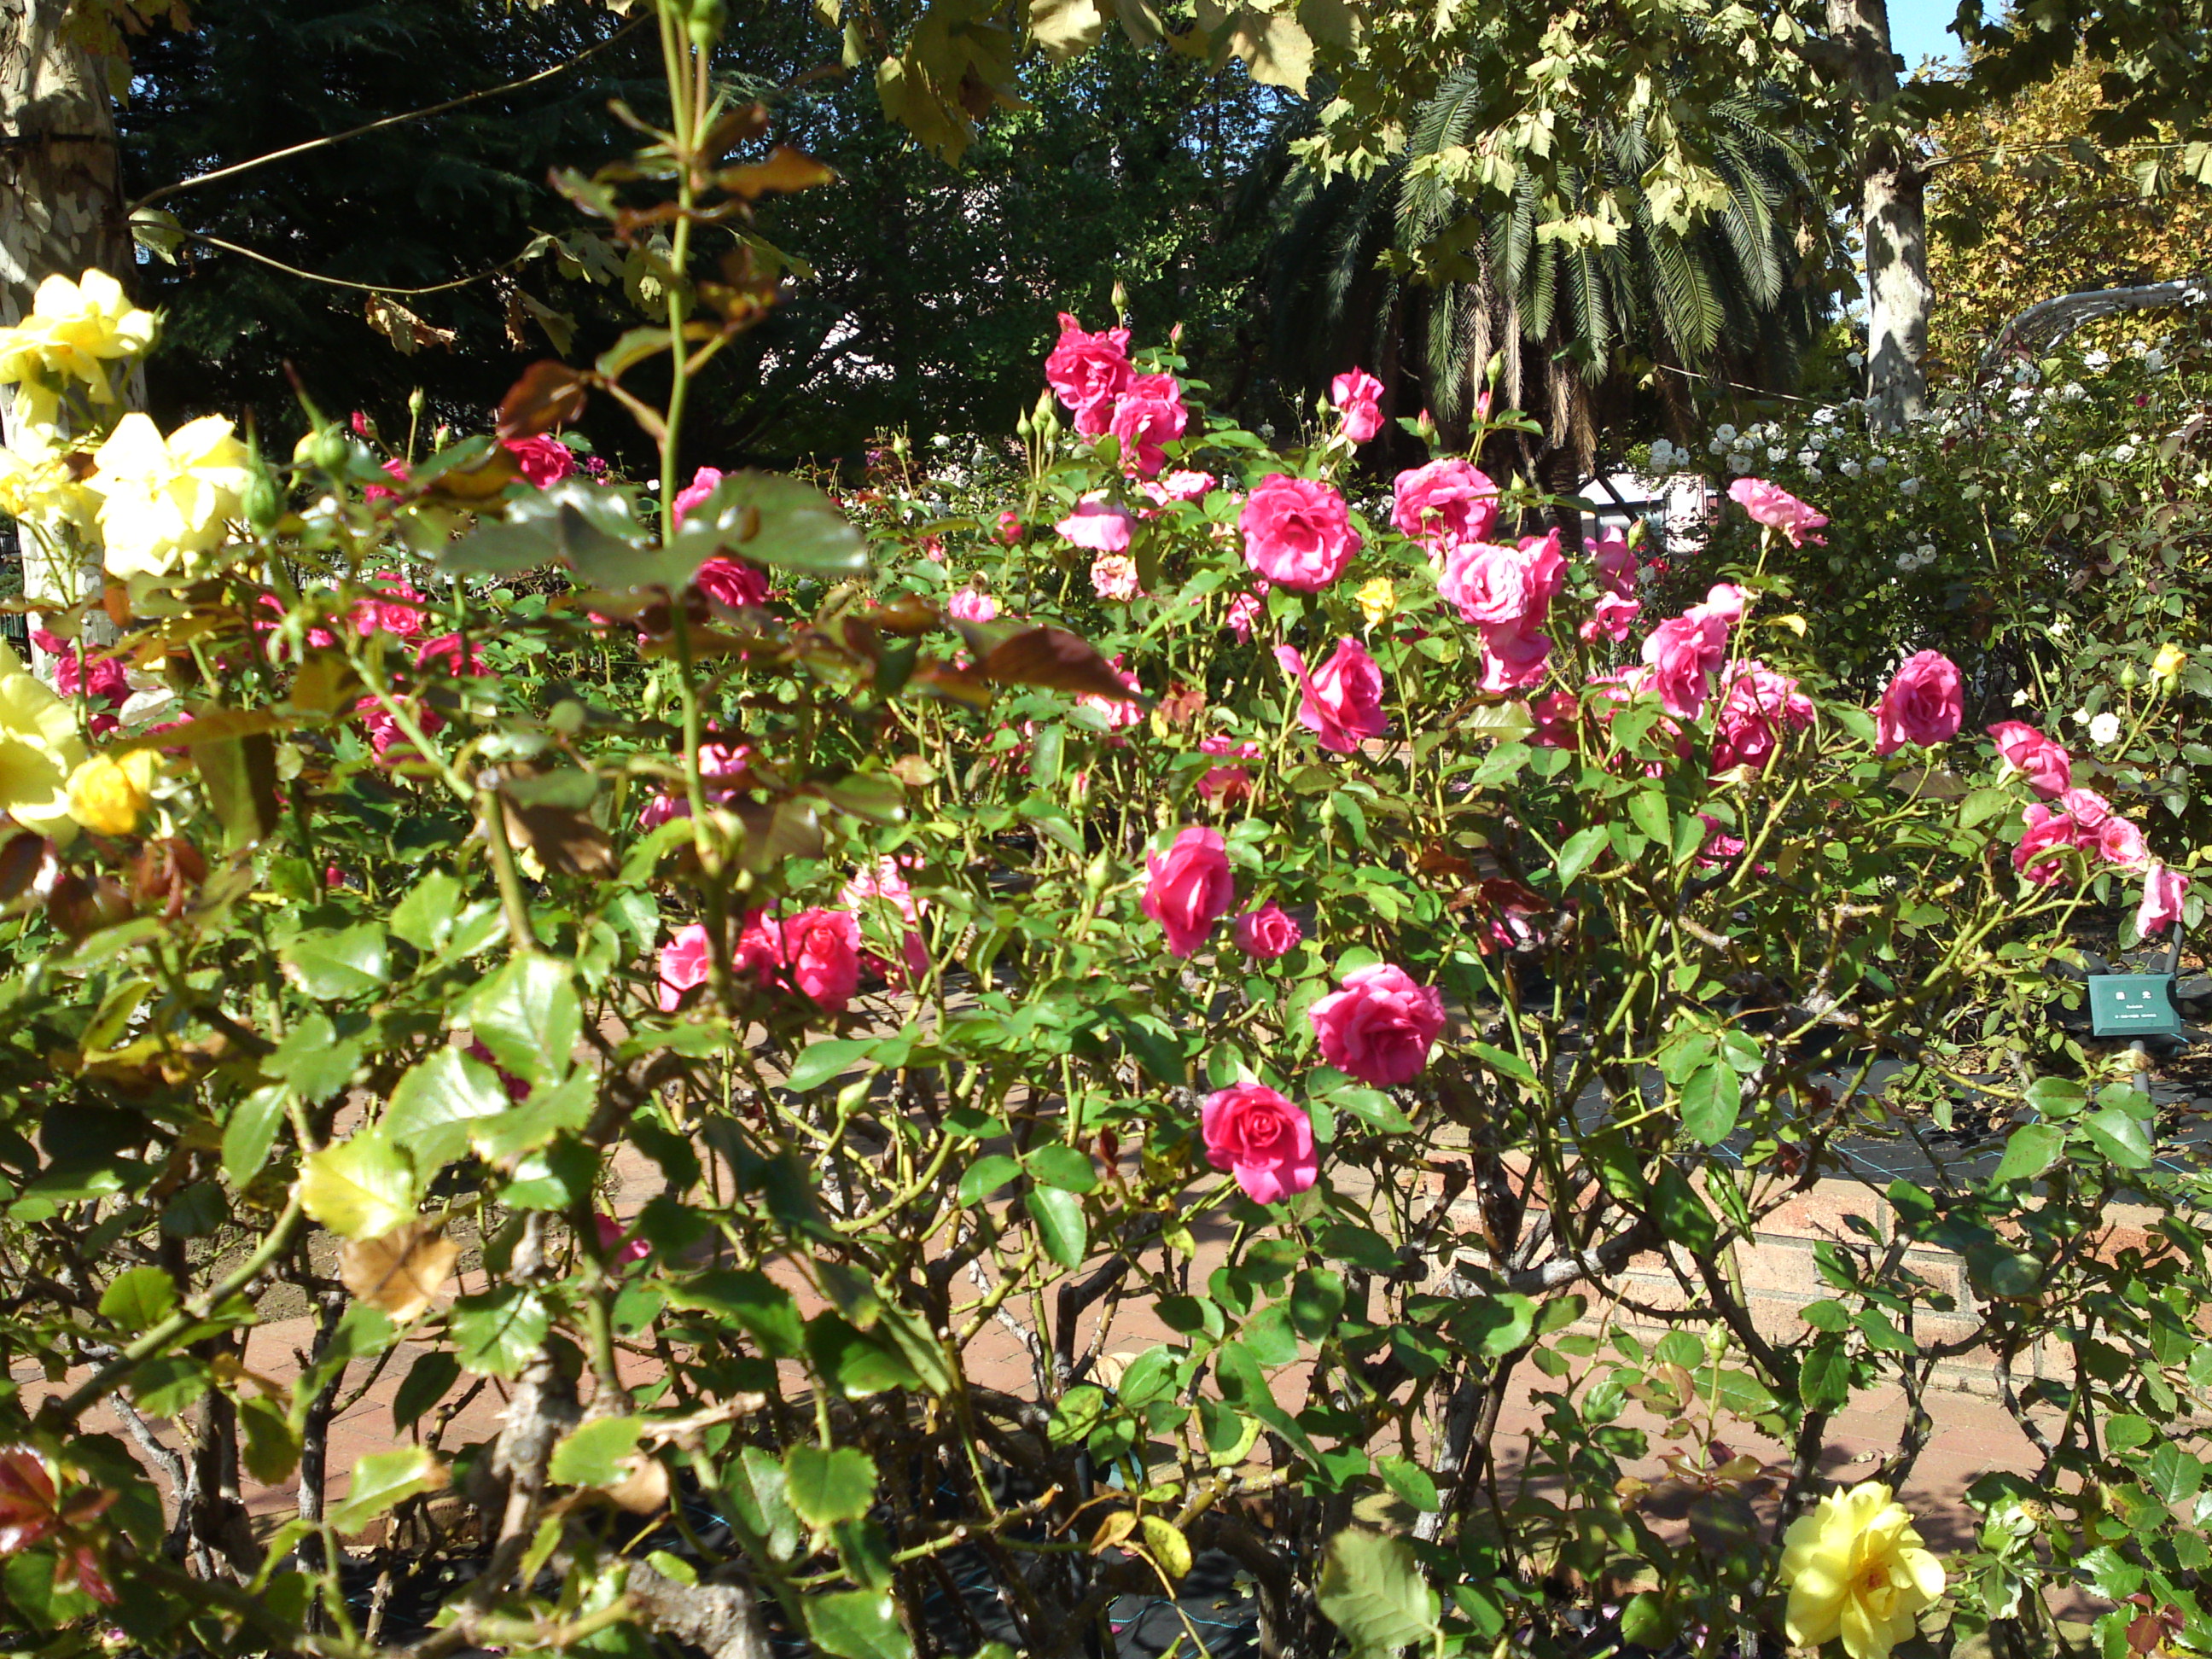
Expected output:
(1776, 507)
(1148, 414)
(1224, 784)
(1358, 396)
(619, 1249)
(1558, 715)
(1513, 659)
(1113, 576)
(1191, 888)
(1496, 586)
(2161, 908)
(1684, 653)
(822, 954)
(1611, 618)
(2119, 841)
(1265, 933)
(1380, 1026)
(1243, 610)
(2087, 808)
(701, 486)
(395, 608)
(1010, 527)
(1341, 701)
(317, 637)
(684, 963)
(1261, 1139)
(394, 469)
(1443, 504)
(1087, 372)
(1924, 704)
(109, 681)
(1298, 532)
(445, 651)
(2047, 833)
(971, 604)
(543, 460)
(1756, 708)
(2048, 769)
(517, 1090)
(1098, 525)
(732, 581)
(760, 947)
(1612, 565)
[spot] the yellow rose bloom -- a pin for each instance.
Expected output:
(39, 487)
(108, 793)
(2171, 661)
(75, 330)
(38, 749)
(1378, 599)
(165, 500)
(1856, 1568)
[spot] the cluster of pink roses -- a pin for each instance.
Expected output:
(724, 769)
(444, 655)
(1092, 375)
(816, 951)
(1357, 397)
(2084, 821)
(106, 681)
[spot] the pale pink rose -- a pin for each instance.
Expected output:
(701, 486)
(1087, 372)
(1243, 610)
(1298, 532)
(2048, 769)
(2163, 891)
(1612, 565)
(1265, 933)
(1444, 504)
(1757, 707)
(684, 963)
(1610, 618)
(1147, 414)
(1120, 712)
(1498, 587)
(822, 954)
(1190, 889)
(2089, 809)
(544, 461)
(1776, 507)
(1098, 525)
(1356, 396)
(1180, 487)
(1260, 1139)
(1684, 653)
(1724, 602)
(1010, 527)
(1513, 659)
(2047, 833)
(619, 1248)
(1113, 576)
(971, 604)
(1923, 705)
(1379, 1025)
(2121, 842)
(1341, 701)
(732, 582)
(1222, 785)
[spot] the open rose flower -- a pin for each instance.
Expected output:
(2163, 891)
(1243, 610)
(1341, 701)
(1684, 653)
(1113, 576)
(701, 486)
(1265, 933)
(1357, 397)
(2048, 769)
(1513, 658)
(1379, 1025)
(1444, 504)
(2047, 834)
(544, 461)
(1260, 1139)
(1612, 565)
(1087, 372)
(1757, 707)
(971, 604)
(684, 963)
(1099, 525)
(1777, 508)
(732, 581)
(2120, 841)
(1298, 532)
(1610, 618)
(1223, 785)
(392, 606)
(1505, 587)
(1191, 888)
(1924, 704)
(822, 956)
(1148, 413)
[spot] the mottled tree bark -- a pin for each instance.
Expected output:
(1892, 218)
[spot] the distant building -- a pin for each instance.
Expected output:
(1676, 511)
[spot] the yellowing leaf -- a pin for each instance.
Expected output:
(398, 1272)
(1066, 28)
(360, 1188)
(1276, 51)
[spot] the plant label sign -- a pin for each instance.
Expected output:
(2133, 1005)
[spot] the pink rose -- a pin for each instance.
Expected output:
(1724, 602)
(1684, 653)
(1357, 395)
(2161, 900)
(1776, 507)
(396, 470)
(1443, 504)
(1298, 532)
(619, 1250)
(701, 486)
(445, 651)
(1098, 525)
(732, 582)
(2088, 809)
(1265, 933)
(1087, 372)
(822, 952)
(1243, 610)
(1558, 715)
(1120, 712)
(1340, 702)
(319, 638)
(1513, 658)
(2047, 833)
(1010, 527)
(1261, 1139)
(1380, 1026)
(1508, 588)
(1113, 576)
(870, 890)
(1148, 414)
(1610, 618)
(760, 947)
(1757, 706)
(2119, 841)
(684, 963)
(724, 769)
(971, 604)
(1612, 565)
(1221, 784)
(1922, 705)
(1191, 888)
(1180, 487)
(544, 461)
(393, 607)
(517, 1090)
(2048, 769)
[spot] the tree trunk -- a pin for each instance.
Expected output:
(1892, 218)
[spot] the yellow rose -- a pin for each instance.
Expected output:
(38, 749)
(1855, 1569)
(39, 487)
(2170, 661)
(75, 330)
(108, 793)
(165, 500)
(1377, 600)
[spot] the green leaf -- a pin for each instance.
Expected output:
(1373, 1107)
(2172, 1474)
(593, 1453)
(1057, 1164)
(424, 1386)
(823, 1061)
(824, 1487)
(436, 1103)
(1317, 1300)
(338, 967)
(272, 1450)
(312, 1060)
(383, 1479)
(360, 1188)
(2057, 1096)
(527, 1015)
(1080, 1412)
(1647, 811)
(1580, 852)
(139, 1298)
(1712, 1101)
(1682, 1214)
(856, 1625)
(1410, 1481)
(1060, 1225)
(495, 1332)
(2028, 1152)
(770, 520)
(1824, 1379)
(425, 917)
(762, 1308)
(2119, 1136)
(250, 1131)
(1372, 1589)
(985, 1176)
